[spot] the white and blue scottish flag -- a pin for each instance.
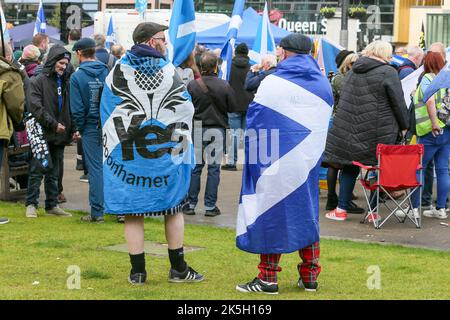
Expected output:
(110, 34)
(279, 203)
(148, 154)
(264, 43)
(228, 48)
(41, 24)
(182, 31)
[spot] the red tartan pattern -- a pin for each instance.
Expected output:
(309, 270)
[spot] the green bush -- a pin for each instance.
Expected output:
(327, 12)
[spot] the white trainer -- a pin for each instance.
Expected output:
(31, 211)
(435, 213)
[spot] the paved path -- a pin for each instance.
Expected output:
(432, 235)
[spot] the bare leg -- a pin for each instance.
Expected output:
(134, 234)
(174, 230)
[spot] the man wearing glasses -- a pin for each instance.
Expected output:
(146, 116)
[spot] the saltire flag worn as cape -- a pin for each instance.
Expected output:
(147, 146)
(279, 204)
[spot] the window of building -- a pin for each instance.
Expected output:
(438, 28)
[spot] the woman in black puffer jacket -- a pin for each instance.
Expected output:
(371, 110)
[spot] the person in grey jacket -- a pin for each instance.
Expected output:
(371, 110)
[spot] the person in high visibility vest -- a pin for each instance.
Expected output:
(433, 134)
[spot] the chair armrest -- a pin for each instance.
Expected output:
(369, 168)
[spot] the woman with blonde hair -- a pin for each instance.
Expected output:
(371, 110)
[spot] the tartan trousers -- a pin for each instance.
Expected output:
(309, 270)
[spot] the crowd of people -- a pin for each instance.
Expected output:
(104, 98)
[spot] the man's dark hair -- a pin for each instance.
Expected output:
(75, 34)
(88, 53)
(38, 38)
(208, 62)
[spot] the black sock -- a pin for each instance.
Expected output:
(176, 258)
(137, 263)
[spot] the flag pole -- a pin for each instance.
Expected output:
(3, 38)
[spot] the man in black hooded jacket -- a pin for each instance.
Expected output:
(49, 103)
(237, 118)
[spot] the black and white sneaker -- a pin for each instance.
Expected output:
(310, 287)
(258, 286)
(4, 220)
(137, 279)
(189, 275)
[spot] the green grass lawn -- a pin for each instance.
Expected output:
(41, 250)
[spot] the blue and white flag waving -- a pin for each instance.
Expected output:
(228, 48)
(146, 114)
(289, 117)
(141, 7)
(41, 24)
(110, 35)
(182, 32)
(442, 80)
(264, 43)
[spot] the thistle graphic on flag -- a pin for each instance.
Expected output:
(264, 43)
(110, 35)
(182, 31)
(146, 114)
(279, 203)
(228, 48)
(41, 24)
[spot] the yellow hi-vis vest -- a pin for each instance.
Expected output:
(423, 121)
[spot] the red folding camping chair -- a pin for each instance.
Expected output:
(396, 170)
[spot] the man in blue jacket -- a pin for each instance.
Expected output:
(86, 86)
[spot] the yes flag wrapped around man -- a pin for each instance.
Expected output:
(147, 118)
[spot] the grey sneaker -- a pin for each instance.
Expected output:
(31, 211)
(4, 220)
(57, 211)
(89, 218)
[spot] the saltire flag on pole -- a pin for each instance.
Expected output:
(228, 48)
(264, 43)
(288, 119)
(141, 7)
(442, 80)
(6, 37)
(422, 43)
(41, 24)
(110, 35)
(182, 31)
(326, 56)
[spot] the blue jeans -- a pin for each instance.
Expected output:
(347, 184)
(236, 120)
(50, 182)
(215, 147)
(437, 148)
(93, 159)
(427, 191)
